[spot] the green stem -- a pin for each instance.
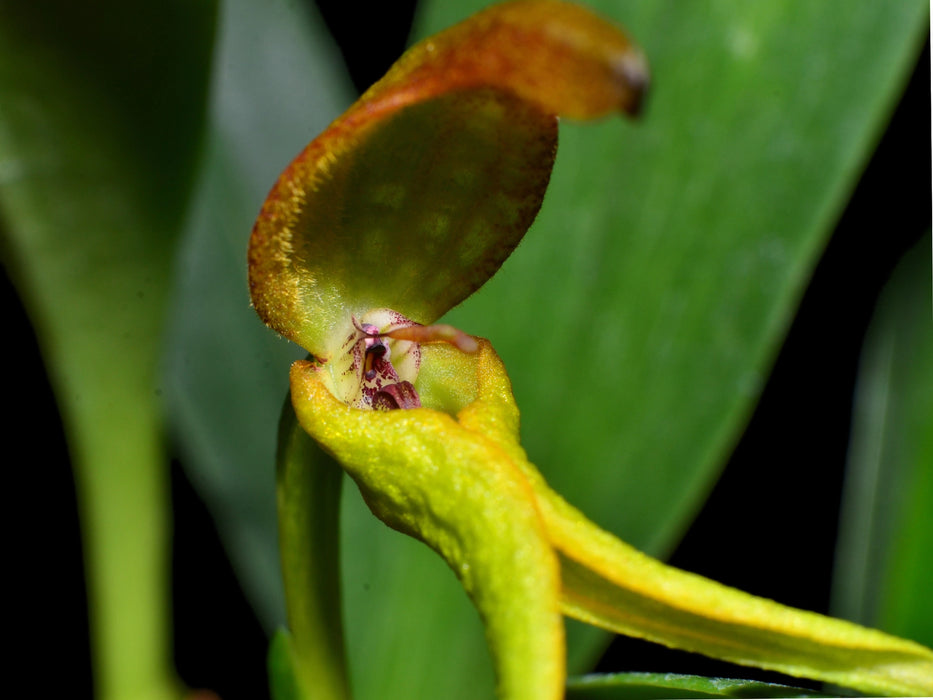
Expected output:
(122, 490)
(308, 489)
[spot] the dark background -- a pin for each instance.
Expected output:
(793, 452)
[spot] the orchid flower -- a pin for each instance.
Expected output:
(401, 209)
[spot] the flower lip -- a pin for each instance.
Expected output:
(380, 359)
(395, 396)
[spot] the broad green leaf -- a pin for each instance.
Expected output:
(885, 561)
(101, 111)
(641, 314)
(648, 686)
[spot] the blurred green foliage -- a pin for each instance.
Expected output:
(885, 556)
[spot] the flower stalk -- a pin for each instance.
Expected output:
(308, 490)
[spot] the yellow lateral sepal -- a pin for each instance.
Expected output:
(423, 473)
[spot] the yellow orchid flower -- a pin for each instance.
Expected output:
(402, 208)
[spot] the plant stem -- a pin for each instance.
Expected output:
(308, 491)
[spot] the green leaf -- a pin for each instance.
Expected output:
(99, 122)
(648, 686)
(641, 314)
(885, 559)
